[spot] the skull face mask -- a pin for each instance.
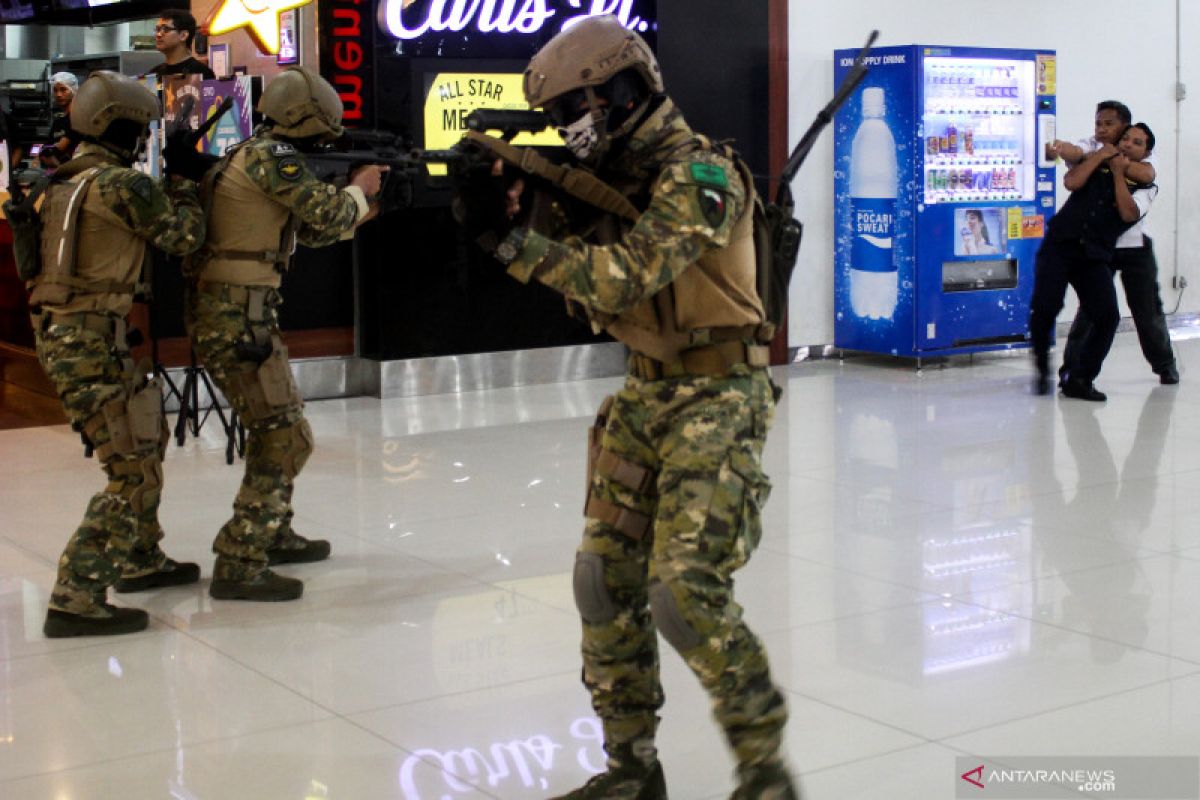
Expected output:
(581, 136)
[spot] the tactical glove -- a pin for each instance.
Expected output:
(183, 160)
(479, 207)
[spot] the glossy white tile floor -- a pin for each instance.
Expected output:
(950, 567)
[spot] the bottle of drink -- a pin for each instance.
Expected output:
(952, 137)
(873, 180)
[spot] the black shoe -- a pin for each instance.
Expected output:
(1041, 384)
(172, 573)
(292, 548)
(61, 624)
(265, 587)
(1169, 376)
(1083, 390)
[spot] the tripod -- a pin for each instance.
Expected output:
(192, 415)
(166, 279)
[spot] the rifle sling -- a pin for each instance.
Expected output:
(575, 182)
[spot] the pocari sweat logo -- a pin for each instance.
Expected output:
(874, 220)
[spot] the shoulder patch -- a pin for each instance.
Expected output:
(282, 149)
(712, 206)
(710, 175)
(143, 187)
(289, 168)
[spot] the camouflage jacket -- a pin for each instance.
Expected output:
(325, 213)
(691, 203)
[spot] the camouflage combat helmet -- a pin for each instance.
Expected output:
(105, 97)
(587, 55)
(301, 104)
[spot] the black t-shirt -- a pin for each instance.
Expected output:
(60, 127)
(189, 66)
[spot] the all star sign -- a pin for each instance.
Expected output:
(413, 19)
(260, 18)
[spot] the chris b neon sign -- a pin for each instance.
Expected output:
(412, 19)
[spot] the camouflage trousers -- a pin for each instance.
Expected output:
(278, 438)
(700, 441)
(120, 532)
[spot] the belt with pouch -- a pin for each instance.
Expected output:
(711, 360)
(106, 325)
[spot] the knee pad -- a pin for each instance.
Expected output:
(591, 593)
(669, 619)
(135, 479)
(290, 445)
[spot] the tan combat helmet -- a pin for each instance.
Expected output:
(105, 97)
(301, 104)
(587, 55)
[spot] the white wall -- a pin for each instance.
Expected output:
(1106, 49)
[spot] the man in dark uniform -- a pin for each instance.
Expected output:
(1078, 250)
(262, 199)
(98, 217)
(174, 35)
(677, 489)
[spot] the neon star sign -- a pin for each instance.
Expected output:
(260, 18)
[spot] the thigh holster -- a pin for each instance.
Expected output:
(621, 471)
(269, 388)
(134, 424)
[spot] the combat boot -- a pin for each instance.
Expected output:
(107, 620)
(765, 782)
(290, 547)
(171, 573)
(235, 581)
(623, 781)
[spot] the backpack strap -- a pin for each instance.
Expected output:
(69, 240)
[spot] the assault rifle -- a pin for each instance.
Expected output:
(359, 147)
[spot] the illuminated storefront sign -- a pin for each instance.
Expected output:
(347, 52)
(260, 18)
(409, 20)
(453, 95)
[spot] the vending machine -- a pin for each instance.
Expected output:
(942, 191)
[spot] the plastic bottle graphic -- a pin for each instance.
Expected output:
(873, 178)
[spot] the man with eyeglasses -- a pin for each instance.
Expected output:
(173, 37)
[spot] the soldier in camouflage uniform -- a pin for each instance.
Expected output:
(261, 199)
(98, 217)
(676, 486)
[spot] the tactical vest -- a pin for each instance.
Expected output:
(715, 299)
(91, 258)
(250, 236)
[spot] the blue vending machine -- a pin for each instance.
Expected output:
(942, 191)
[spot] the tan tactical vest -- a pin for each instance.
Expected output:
(91, 259)
(250, 237)
(715, 299)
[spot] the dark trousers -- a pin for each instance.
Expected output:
(1060, 263)
(1139, 276)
